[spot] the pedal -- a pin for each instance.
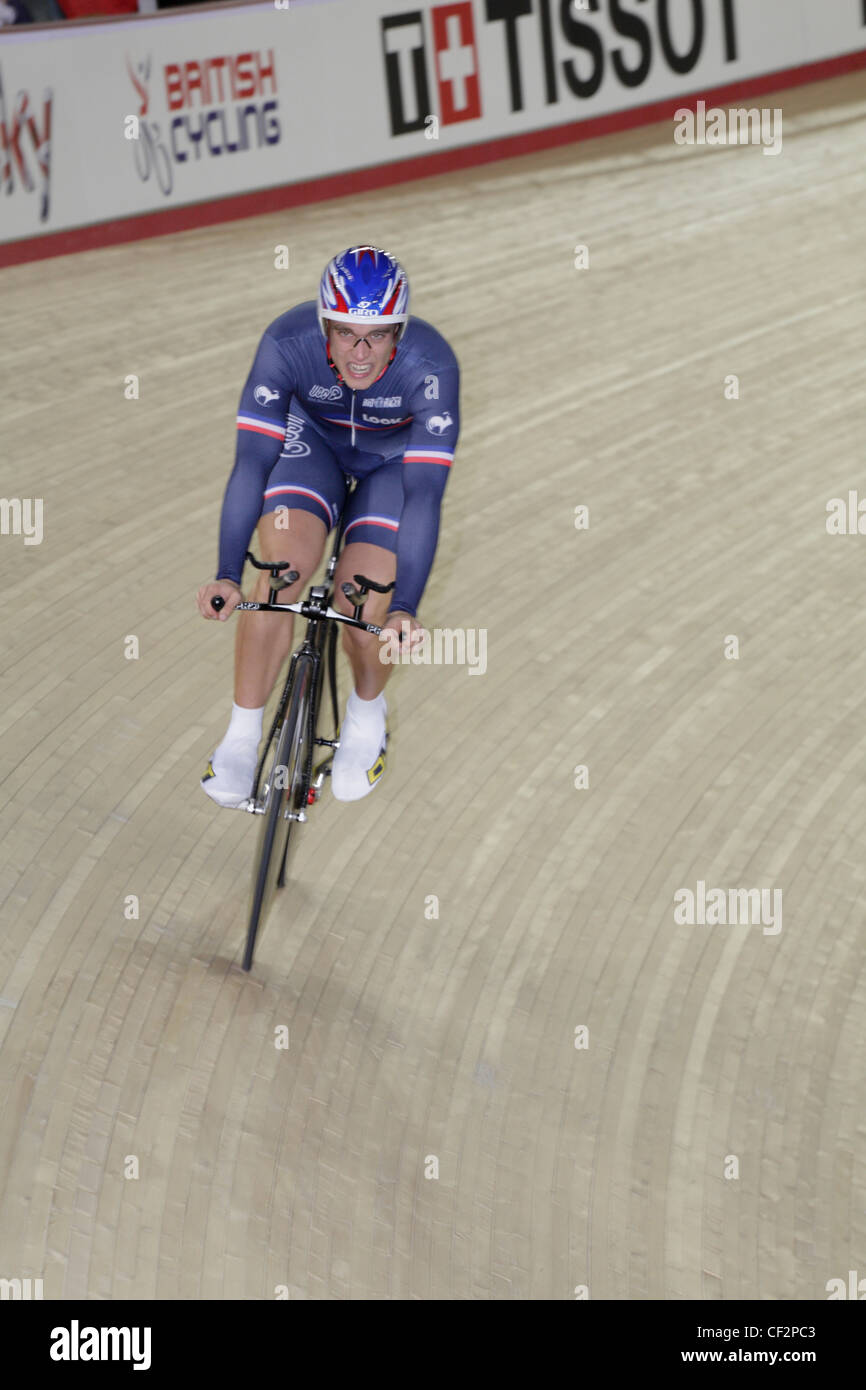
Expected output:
(320, 772)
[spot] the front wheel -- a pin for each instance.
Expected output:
(282, 791)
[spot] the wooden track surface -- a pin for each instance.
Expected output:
(413, 1036)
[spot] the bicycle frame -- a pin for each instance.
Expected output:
(319, 614)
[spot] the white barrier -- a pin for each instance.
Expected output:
(113, 120)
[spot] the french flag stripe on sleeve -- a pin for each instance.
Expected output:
(429, 456)
(251, 422)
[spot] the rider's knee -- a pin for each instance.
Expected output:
(301, 540)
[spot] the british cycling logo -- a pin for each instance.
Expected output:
(438, 424)
(239, 90)
(25, 147)
(326, 393)
(264, 395)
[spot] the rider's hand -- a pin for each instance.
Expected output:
(227, 589)
(407, 630)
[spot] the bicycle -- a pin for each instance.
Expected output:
(286, 782)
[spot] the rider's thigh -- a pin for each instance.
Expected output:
(375, 563)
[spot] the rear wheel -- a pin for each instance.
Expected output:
(282, 789)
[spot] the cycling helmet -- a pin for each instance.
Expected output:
(366, 283)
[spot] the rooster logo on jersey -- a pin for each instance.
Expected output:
(438, 424)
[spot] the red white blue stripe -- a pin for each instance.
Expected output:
(259, 426)
(389, 425)
(308, 492)
(387, 521)
(443, 456)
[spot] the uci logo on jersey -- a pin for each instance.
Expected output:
(264, 395)
(438, 424)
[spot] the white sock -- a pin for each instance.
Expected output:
(245, 724)
(364, 710)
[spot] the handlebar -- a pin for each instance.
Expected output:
(369, 584)
(279, 581)
(274, 567)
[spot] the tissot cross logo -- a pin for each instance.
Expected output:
(455, 60)
(456, 63)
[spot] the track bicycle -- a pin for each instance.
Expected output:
(286, 781)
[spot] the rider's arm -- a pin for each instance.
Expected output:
(262, 413)
(426, 465)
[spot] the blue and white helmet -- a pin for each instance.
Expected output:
(365, 283)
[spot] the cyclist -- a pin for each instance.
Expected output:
(351, 386)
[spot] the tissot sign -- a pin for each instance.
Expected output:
(562, 51)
